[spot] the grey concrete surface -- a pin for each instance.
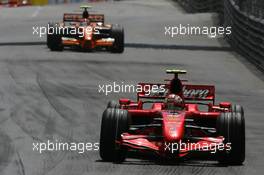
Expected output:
(54, 95)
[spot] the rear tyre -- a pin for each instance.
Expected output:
(114, 123)
(232, 127)
(56, 43)
(117, 32)
(49, 33)
(54, 40)
(113, 104)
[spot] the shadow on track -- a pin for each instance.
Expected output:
(150, 159)
(138, 45)
(183, 163)
(177, 47)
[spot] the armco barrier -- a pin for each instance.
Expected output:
(246, 19)
(247, 33)
(196, 6)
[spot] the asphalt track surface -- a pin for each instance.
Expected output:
(54, 95)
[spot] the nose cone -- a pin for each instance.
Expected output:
(173, 126)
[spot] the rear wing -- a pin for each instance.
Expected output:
(72, 17)
(76, 17)
(96, 18)
(190, 92)
(199, 92)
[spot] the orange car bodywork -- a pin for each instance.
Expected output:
(88, 41)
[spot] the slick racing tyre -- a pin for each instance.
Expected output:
(54, 40)
(56, 43)
(114, 123)
(50, 25)
(237, 109)
(117, 32)
(113, 104)
(231, 126)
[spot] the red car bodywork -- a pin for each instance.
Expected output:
(175, 123)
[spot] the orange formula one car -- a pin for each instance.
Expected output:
(85, 31)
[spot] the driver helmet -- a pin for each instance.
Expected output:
(174, 102)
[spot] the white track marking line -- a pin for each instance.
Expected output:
(35, 14)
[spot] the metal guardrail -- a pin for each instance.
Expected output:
(253, 7)
(246, 17)
(247, 32)
(196, 6)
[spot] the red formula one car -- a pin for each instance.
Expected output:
(166, 121)
(85, 31)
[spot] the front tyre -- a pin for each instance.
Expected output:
(114, 123)
(231, 126)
